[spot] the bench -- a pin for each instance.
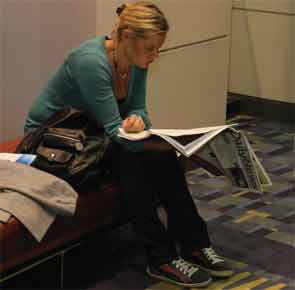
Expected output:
(22, 258)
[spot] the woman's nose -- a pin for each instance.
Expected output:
(154, 56)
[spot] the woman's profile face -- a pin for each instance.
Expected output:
(142, 51)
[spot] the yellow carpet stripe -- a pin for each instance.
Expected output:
(250, 285)
(224, 283)
(240, 193)
(276, 286)
(251, 214)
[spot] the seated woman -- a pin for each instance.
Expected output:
(106, 77)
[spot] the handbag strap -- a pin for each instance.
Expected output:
(30, 142)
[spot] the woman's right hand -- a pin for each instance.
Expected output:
(133, 124)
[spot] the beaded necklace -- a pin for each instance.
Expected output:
(122, 76)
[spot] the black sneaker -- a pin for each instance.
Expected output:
(208, 260)
(181, 273)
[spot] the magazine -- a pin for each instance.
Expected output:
(222, 150)
(26, 159)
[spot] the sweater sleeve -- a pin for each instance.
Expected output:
(94, 79)
(138, 98)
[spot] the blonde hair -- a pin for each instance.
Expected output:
(138, 18)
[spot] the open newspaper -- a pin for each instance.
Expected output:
(222, 149)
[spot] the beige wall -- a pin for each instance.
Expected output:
(35, 37)
(277, 6)
(262, 49)
(191, 20)
(106, 15)
(292, 71)
(187, 85)
(1, 73)
(195, 21)
(180, 85)
(188, 88)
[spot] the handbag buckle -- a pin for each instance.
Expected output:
(51, 157)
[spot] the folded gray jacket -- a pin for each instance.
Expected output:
(34, 197)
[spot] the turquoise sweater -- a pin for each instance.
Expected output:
(84, 81)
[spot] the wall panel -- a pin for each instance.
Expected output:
(277, 6)
(36, 37)
(194, 21)
(292, 61)
(1, 73)
(21, 59)
(106, 15)
(262, 58)
(183, 93)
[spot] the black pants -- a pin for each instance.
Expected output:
(148, 178)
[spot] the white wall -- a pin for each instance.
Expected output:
(35, 37)
(262, 49)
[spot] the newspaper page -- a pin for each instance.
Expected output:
(185, 132)
(225, 153)
(207, 133)
(231, 153)
(170, 132)
(222, 149)
(207, 159)
(244, 160)
(262, 175)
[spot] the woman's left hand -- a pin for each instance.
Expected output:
(133, 124)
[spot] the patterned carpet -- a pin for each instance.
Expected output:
(255, 232)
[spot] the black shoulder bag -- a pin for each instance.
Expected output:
(69, 145)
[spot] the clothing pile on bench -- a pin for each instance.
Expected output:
(66, 216)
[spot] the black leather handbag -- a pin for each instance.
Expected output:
(68, 145)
